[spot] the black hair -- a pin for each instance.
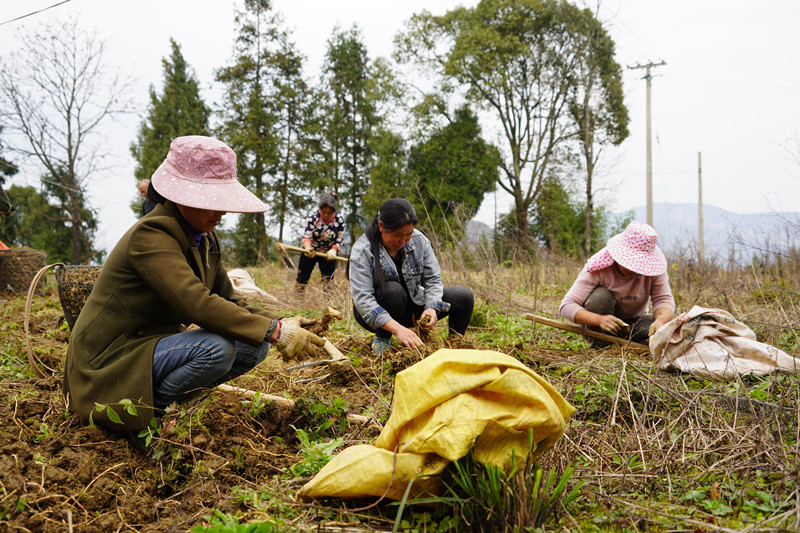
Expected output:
(329, 199)
(393, 214)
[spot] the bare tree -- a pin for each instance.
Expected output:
(55, 93)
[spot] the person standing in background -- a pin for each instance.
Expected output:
(324, 233)
(147, 203)
(5, 204)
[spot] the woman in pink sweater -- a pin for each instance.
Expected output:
(612, 291)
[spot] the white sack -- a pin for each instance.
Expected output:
(245, 287)
(710, 343)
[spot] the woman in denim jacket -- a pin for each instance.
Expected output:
(404, 283)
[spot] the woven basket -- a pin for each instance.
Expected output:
(18, 267)
(75, 283)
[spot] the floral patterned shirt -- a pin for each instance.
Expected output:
(324, 236)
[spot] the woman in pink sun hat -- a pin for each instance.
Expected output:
(612, 291)
(131, 342)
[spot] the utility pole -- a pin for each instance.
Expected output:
(648, 77)
(701, 248)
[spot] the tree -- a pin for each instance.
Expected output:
(178, 111)
(389, 176)
(289, 101)
(56, 95)
(7, 168)
(39, 224)
(596, 107)
(454, 169)
(348, 121)
(516, 58)
(556, 221)
(255, 124)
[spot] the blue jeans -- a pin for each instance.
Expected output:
(400, 307)
(186, 363)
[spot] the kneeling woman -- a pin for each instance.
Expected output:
(395, 278)
(130, 343)
(616, 284)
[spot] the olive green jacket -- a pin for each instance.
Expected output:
(153, 284)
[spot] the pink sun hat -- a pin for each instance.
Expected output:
(636, 249)
(200, 172)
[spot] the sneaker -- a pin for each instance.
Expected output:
(381, 345)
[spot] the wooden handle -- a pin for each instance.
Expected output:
(291, 248)
(582, 331)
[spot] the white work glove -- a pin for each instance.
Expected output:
(294, 341)
(309, 252)
(331, 254)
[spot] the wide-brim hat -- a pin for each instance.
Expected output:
(200, 172)
(637, 249)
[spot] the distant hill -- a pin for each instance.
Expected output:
(728, 236)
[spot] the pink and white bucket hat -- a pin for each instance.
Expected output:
(636, 249)
(200, 172)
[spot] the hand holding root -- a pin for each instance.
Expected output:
(612, 324)
(654, 327)
(408, 338)
(321, 325)
(294, 341)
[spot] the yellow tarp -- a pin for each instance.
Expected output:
(442, 406)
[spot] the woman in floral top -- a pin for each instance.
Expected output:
(324, 234)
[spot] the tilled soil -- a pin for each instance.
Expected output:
(56, 475)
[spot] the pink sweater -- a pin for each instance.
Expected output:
(631, 293)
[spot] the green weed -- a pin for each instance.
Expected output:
(316, 454)
(44, 432)
(221, 522)
(486, 498)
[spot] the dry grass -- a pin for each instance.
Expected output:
(661, 451)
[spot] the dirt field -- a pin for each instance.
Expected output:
(657, 451)
(56, 474)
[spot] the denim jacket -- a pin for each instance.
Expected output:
(420, 271)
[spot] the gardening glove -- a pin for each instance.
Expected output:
(331, 254)
(309, 252)
(295, 342)
(302, 321)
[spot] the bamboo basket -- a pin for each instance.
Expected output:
(18, 267)
(75, 283)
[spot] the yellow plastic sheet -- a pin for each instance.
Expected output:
(442, 406)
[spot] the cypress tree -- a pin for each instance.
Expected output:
(178, 111)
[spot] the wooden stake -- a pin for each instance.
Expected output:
(280, 400)
(582, 331)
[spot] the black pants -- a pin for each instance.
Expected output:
(306, 266)
(399, 305)
(602, 302)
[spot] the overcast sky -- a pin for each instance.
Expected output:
(729, 88)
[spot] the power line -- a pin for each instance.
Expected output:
(34, 12)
